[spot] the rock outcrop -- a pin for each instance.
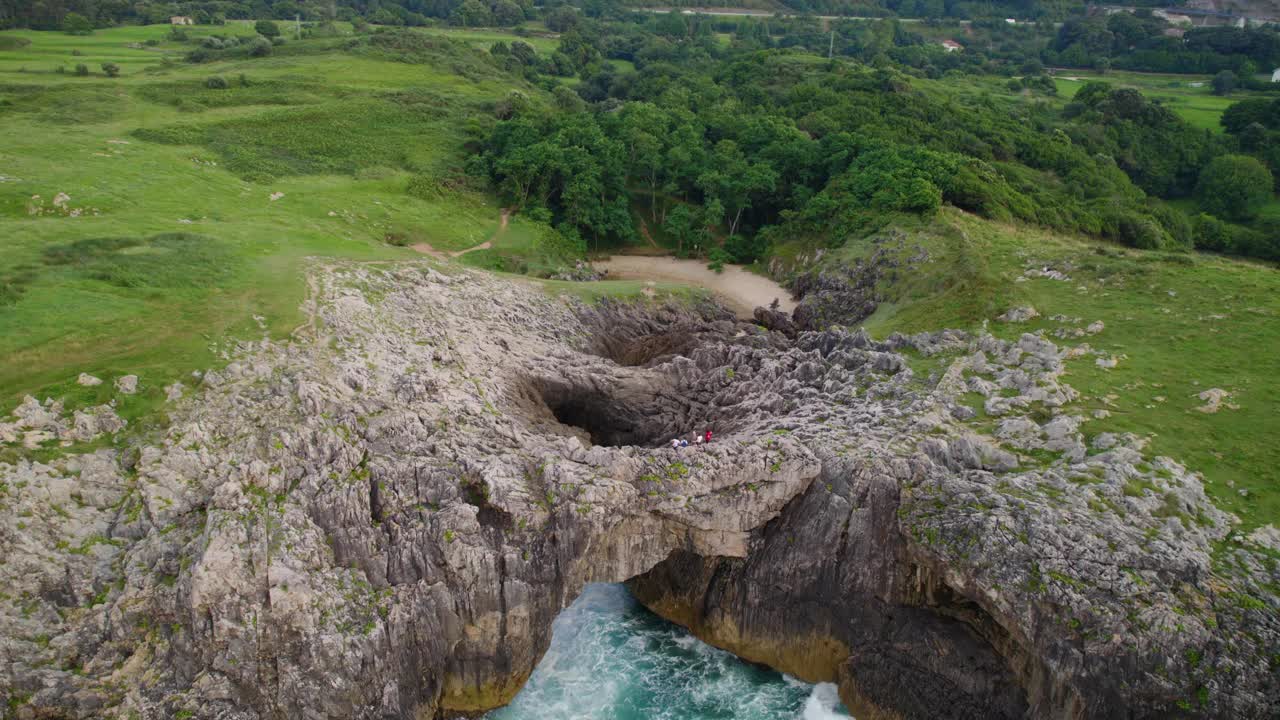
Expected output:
(381, 517)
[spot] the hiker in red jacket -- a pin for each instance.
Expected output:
(707, 437)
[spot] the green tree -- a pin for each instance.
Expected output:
(82, 70)
(267, 28)
(1235, 187)
(523, 52)
(1247, 112)
(471, 13)
(111, 69)
(76, 24)
(507, 13)
(1224, 82)
(686, 225)
(643, 131)
(735, 181)
(561, 19)
(567, 100)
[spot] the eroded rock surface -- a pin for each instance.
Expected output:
(381, 518)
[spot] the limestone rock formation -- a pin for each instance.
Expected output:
(127, 384)
(380, 518)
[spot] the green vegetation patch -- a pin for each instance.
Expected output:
(1182, 323)
(334, 138)
(168, 260)
(200, 95)
(61, 104)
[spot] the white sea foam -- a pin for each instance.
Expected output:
(610, 659)
(823, 704)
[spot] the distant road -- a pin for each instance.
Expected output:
(742, 12)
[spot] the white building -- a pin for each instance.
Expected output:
(1275, 76)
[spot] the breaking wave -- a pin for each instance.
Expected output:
(612, 659)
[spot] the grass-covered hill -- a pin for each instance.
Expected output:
(150, 217)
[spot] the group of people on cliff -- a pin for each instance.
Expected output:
(698, 440)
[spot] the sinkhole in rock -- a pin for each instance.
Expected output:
(644, 349)
(609, 419)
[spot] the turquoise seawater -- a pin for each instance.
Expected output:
(611, 659)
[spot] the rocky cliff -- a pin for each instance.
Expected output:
(381, 517)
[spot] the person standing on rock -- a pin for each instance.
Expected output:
(707, 437)
(697, 440)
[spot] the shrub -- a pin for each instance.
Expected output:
(1224, 82)
(277, 41)
(1134, 229)
(718, 257)
(261, 47)
(111, 69)
(267, 28)
(1213, 234)
(82, 70)
(1235, 187)
(1175, 224)
(76, 24)
(216, 82)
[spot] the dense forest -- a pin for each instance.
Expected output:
(1142, 41)
(744, 141)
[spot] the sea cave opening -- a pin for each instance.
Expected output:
(610, 657)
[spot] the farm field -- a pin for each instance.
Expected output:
(1190, 96)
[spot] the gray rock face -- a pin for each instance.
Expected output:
(381, 518)
(127, 384)
(1019, 315)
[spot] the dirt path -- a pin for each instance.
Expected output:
(644, 232)
(426, 249)
(741, 290)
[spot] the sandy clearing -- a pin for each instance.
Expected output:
(741, 290)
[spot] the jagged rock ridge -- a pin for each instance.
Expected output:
(381, 518)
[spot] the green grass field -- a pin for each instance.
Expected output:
(1190, 96)
(1181, 323)
(169, 241)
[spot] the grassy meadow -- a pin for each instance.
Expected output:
(1190, 96)
(149, 219)
(1180, 324)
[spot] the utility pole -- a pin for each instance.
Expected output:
(297, 27)
(832, 46)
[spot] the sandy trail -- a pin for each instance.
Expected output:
(741, 290)
(426, 248)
